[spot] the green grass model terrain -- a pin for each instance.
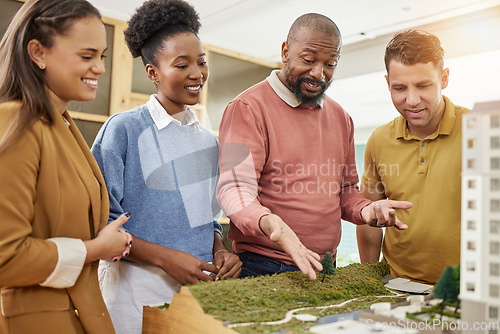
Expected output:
(269, 298)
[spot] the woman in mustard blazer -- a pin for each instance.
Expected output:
(53, 200)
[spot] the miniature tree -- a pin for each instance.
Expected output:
(328, 267)
(446, 288)
(456, 276)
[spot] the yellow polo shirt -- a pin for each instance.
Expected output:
(427, 173)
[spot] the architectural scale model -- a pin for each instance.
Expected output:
(288, 302)
(480, 238)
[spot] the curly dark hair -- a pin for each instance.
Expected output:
(155, 21)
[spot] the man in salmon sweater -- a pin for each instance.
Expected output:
(288, 173)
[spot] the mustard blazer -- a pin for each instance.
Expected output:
(50, 186)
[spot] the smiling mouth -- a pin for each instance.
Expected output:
(92, 82)
(194, 89)
(415, 111)
(311, 86)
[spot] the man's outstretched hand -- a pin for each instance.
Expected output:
(280, 233)
(382, 213)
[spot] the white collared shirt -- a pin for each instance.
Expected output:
(162, 119)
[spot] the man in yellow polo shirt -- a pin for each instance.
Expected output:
(417, 158)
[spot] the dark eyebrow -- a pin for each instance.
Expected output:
(333, 55)
(93, 50)
(310, 50)
(186, 57)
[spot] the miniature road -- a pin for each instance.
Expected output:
(290, 314)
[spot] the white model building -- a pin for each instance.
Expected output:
(480, 238)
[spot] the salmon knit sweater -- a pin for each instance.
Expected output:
(295, 162)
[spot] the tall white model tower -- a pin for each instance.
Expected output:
(480, 238)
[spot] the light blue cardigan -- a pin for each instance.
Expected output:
(165, 178)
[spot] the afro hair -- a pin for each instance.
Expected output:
(159, 15)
